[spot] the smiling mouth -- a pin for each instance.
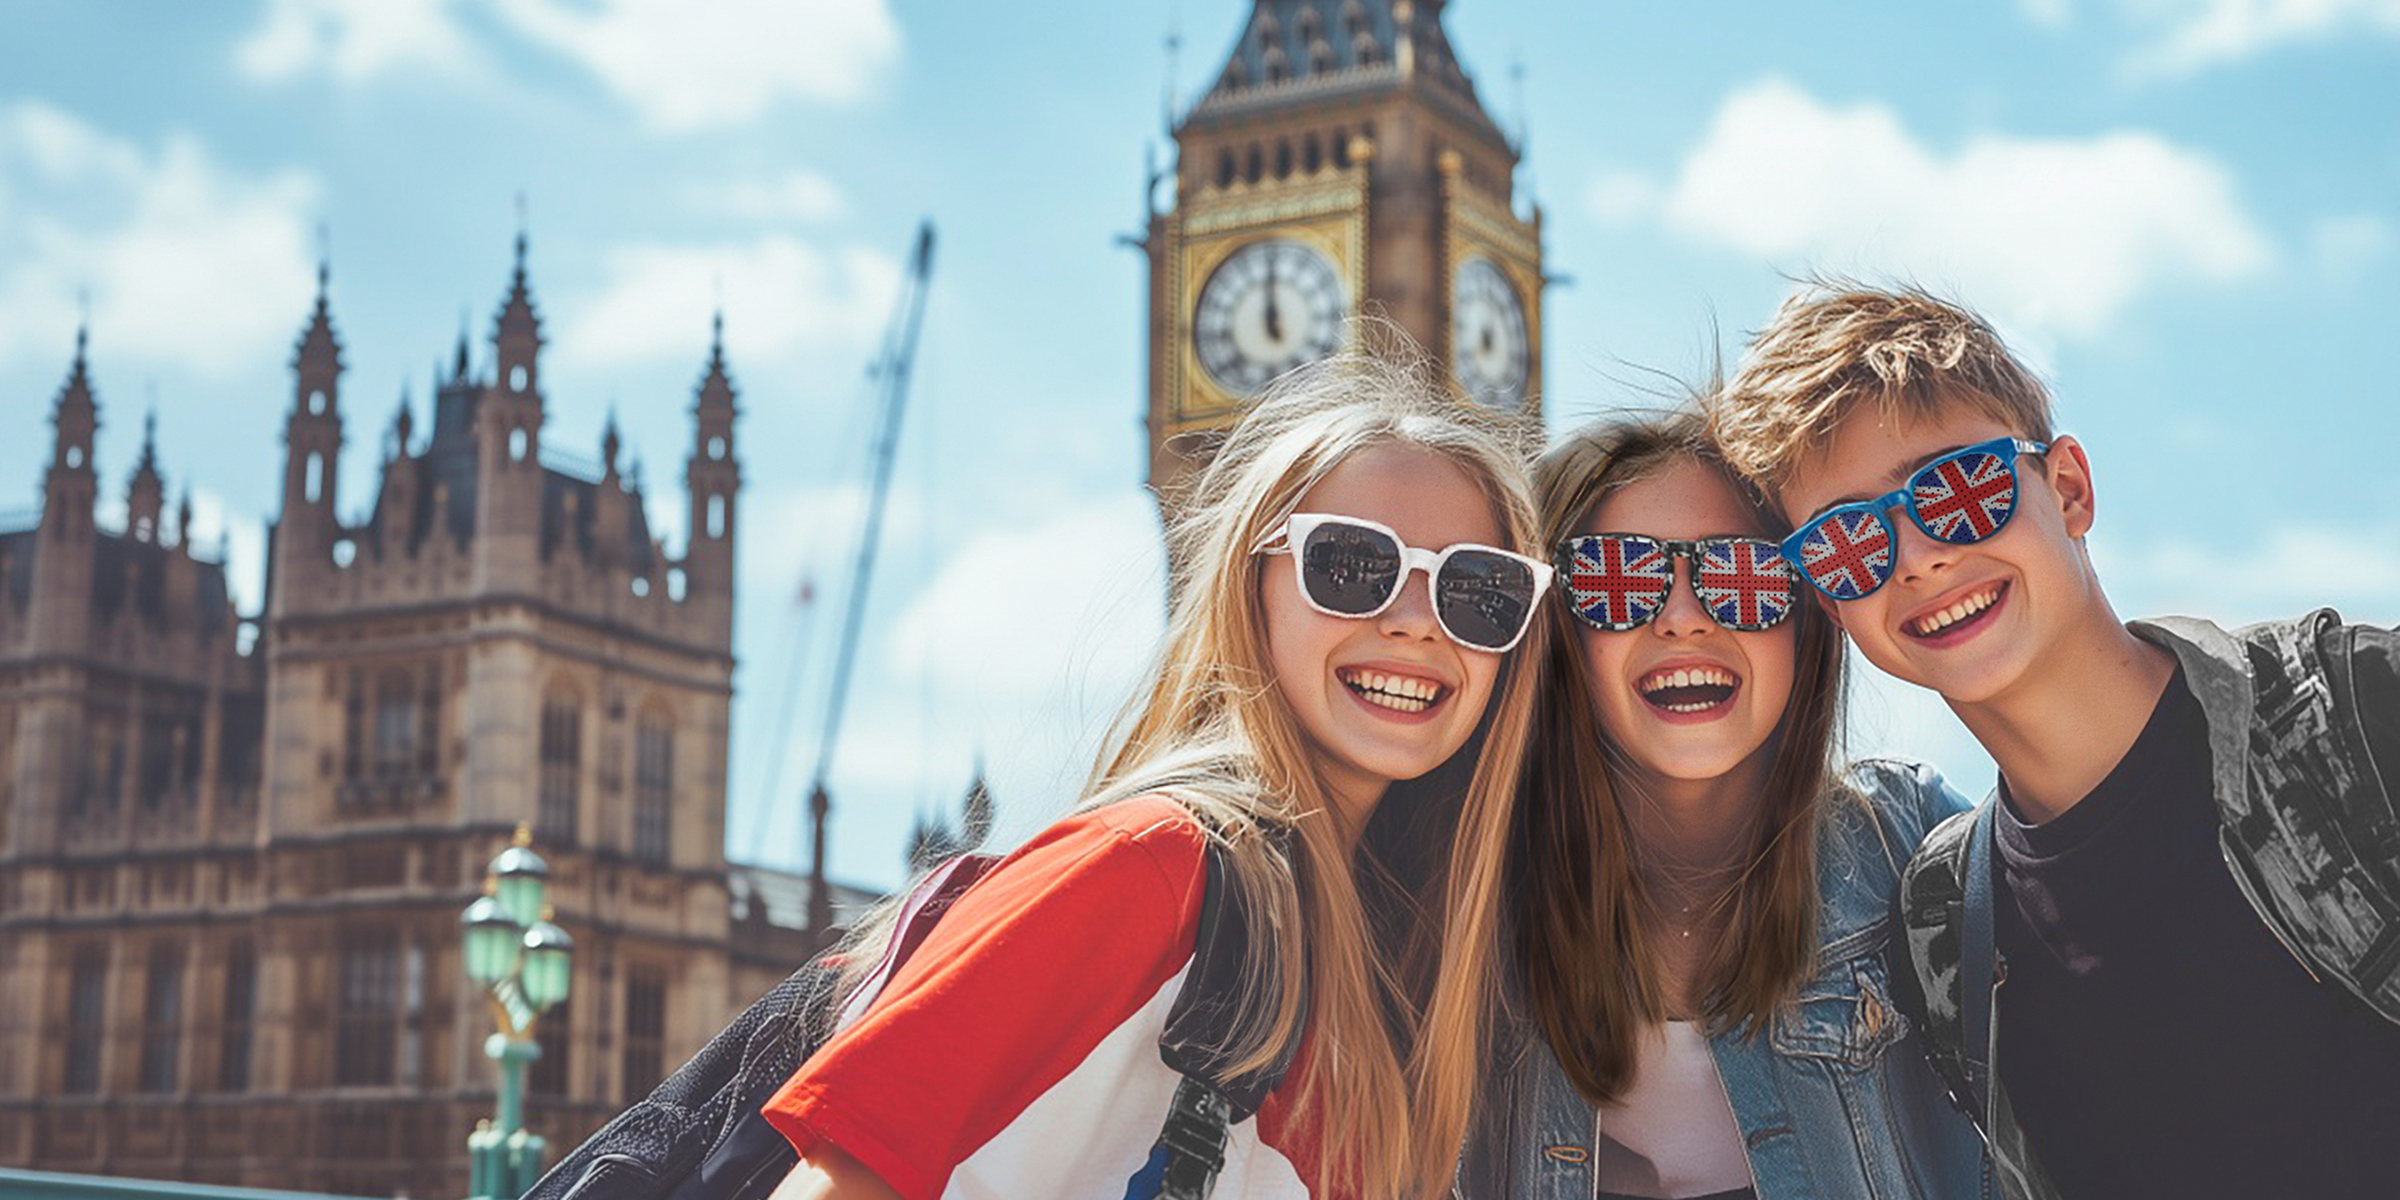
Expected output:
(1688, 689)
(1400, 693)
(1934, 624)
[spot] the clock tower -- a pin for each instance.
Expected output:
(1340, 166)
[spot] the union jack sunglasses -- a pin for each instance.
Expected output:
(1962, 497)
(1619, 581)
(1483, 596)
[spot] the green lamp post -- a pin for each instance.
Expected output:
(525, 965)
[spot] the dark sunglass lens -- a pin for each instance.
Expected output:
(1847, 554)
(1616, 582)
(1349, 569)
(1744, 584)
(1964, 498)
(1484, 598)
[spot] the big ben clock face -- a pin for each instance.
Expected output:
(1488, 349)
(1269, 307)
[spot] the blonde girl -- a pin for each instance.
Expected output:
(1340, 708)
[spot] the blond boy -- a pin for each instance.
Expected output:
(2164, 958)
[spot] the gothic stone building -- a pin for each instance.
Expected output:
(232, 867)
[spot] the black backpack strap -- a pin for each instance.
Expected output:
(1210, 1099)
(1978, 960)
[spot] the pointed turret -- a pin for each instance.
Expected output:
(70, 485)
(62, 564)
(517, 333)
(312, 438)
(714, 477)
(508, 434)
(146, 491)
(404, 425)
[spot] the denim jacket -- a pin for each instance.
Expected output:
(1834, 1101)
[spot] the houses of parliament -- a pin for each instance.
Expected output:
(232, 860)
(231, 868)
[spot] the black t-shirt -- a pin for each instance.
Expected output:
(2156, 1038)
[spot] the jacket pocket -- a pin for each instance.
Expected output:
(1844, 1015)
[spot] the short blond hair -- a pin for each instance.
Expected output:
(1834, 345)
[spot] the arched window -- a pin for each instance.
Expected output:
(162, 1018)
(653, 785)
(562, 768)
(395, 726)
(87, 1019)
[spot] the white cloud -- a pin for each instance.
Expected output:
(779, 294)
(795, 196)
(2046, 234)
(353, 40)
(2192, 35)
(679, 66)
(155, 235)
(2287, 570)
(691, 66)
(1051, 622)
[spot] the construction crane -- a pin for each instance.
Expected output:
(890, 376)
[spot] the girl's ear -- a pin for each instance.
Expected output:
(2069, 472)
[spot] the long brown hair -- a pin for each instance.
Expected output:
(1590, 976)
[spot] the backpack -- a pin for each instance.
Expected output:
(2309, 832)
(700, 1136)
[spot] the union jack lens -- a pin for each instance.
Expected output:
(1616, 581)
(1966, 497)
(1742, 582)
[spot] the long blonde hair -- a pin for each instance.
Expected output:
(1395, 1034)
(1591, 980)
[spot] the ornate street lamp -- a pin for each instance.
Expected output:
(525, 965)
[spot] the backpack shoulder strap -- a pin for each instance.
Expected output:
(1980, 958)
(1210, 1099)
(1934, 939)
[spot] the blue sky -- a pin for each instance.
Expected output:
(2185, 212)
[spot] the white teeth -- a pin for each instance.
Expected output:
(1687, 677)
(1399, 692)
(1934, 623)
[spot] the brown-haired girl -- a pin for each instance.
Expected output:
(1702, 923)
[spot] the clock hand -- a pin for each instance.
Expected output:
(1274, 322)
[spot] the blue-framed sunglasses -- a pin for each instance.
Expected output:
(1964, 496)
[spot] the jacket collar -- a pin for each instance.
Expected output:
(2217, 670)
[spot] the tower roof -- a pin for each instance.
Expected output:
(517, 319)
(1310, 51)
(318, 342)
(75, 395)
(716, 385)
(146, 469)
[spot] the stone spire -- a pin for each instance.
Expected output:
(146, 492)
(71, 484)
(517, 332)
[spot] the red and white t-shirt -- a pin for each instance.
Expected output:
(1015, 1055)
